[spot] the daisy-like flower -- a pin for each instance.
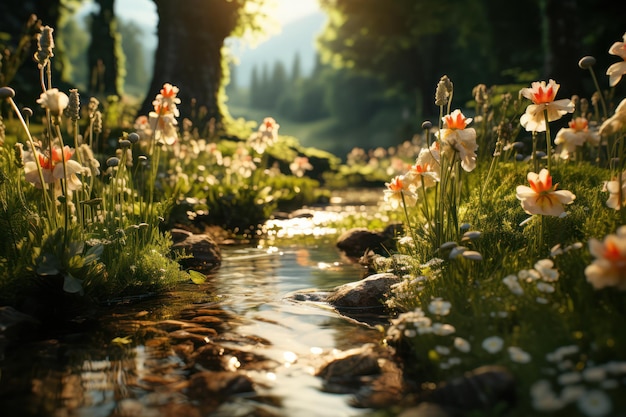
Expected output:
(513, 284)
(493, 344)
(542, 197)
(616, 70)
(546, 268)
(439, 307)
(571, 138)
(399, 191)
(518, 355)
(457, 137)
(609, 266)
(595, 403)
(52, 169)
(54, 100)
(543, 96)
(613, 189)
(462, 345)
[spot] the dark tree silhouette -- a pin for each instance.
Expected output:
(105, 56)
(189, 53)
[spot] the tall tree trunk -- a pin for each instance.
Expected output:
(105, 55)
(189, 54)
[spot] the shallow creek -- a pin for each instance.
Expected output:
(127, 365)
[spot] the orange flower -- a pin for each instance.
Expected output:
(609, 267)
(542, 96)
(542, 197)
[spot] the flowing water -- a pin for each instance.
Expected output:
(123, 368)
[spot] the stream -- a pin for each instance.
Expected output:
(129, 366)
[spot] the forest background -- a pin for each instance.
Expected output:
(376, 65)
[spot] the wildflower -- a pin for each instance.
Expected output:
(544, 398)
(569, 378)
(575, 136)
(443, 329)
(595, 403)
(616, 70)
(398, 192)
(162, 120)
(493, 344)
(462, 345)
(613, 189)
(266, 135)
(439, 307)
(73, 108)
(513, 284)
(52, 169)
(545, 267)
(443, 91)
(54, 100)
(456, 136)
(545, 287)
(45, 44)
(518, 355)
(423, 172)
(615, 123)
(609, 267)
(542, 96)
(541, 197)
(300, 165)
(442, 350)
(472, 255)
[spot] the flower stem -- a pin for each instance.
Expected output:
(548, 141)
(595, 82)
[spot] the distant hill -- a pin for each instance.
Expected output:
(296, 37)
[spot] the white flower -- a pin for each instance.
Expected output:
(546, 268)
(572, 393)
(439, 307)
(442, 350)
(542, 96)
(595, 403)
(513, 284)
(618, 69)
(595, 374)
(54, 100)
(399, 192)
(457, 137)
(462, 345)
(542, 197)
(569, 378)
(441, 329)
(544, 287)
(518, 355)
(609, 267)
(493, 344)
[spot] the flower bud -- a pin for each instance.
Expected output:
(113, 161)
(427, 125)
(133, 137)
(27, 112)
(73, 108)
(587, 62)
(124, 144)
(6, 92)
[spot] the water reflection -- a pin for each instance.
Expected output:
(139, 360)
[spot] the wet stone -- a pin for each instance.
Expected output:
(205, 254)
(367, 293)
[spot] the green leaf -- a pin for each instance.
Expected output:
(197, 277)
(49, 265)
(72, 285)
(93, 253)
